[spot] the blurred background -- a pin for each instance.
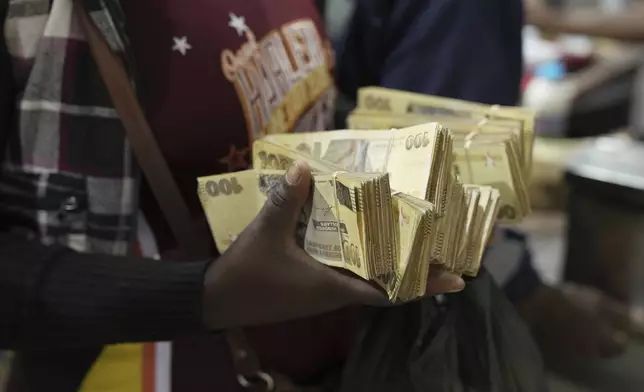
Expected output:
(587, 189)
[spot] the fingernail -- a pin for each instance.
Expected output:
(458, 285)
(293, 174)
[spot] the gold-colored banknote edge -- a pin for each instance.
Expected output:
(383, 100)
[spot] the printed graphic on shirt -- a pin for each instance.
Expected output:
(181, 45)
(236, 159)
(283, 81)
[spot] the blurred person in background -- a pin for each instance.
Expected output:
(471, 51)
(624, 24)
(81, 230)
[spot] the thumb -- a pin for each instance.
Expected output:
(287, 197)
(441, 281)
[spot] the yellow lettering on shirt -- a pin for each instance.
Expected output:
(281, 78)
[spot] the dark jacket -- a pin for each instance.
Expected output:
(470, 50)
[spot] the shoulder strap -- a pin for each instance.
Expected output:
(163, 185)
(142, 139)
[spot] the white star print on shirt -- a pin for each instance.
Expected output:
(238, 23)
(181, 45)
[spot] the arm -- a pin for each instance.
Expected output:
(54, 297)
(626, 25)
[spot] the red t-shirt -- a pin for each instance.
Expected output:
(215, 75)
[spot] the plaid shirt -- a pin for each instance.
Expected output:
(68, 175)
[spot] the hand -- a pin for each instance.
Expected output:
(265, 277)
(580, 321)
(617, 322)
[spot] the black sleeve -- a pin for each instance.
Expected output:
(53, 297)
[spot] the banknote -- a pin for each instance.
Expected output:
(378, 99)
(414, 157)
(419, 185)
(485, 154)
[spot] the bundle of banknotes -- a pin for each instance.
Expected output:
(401, 193)
(492, 144)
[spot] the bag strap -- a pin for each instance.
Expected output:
(142, 139)
(154, 166)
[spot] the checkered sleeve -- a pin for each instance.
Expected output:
(68, 175)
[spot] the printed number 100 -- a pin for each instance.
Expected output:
(225, 186)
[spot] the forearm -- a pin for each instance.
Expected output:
(53, 297)
(626, 26)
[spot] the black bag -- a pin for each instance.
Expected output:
(472, 342)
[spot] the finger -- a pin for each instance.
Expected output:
(441, 281)
(286, 199)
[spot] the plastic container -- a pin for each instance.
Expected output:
(550, 96)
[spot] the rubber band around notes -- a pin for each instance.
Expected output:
(477, 130)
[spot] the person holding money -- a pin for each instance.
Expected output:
(81, 229)
(623, 24)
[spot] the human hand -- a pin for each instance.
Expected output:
(265, 277)
(615, 323)
(581, 321)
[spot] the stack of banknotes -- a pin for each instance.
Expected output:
(492, 144)
(417, 183)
